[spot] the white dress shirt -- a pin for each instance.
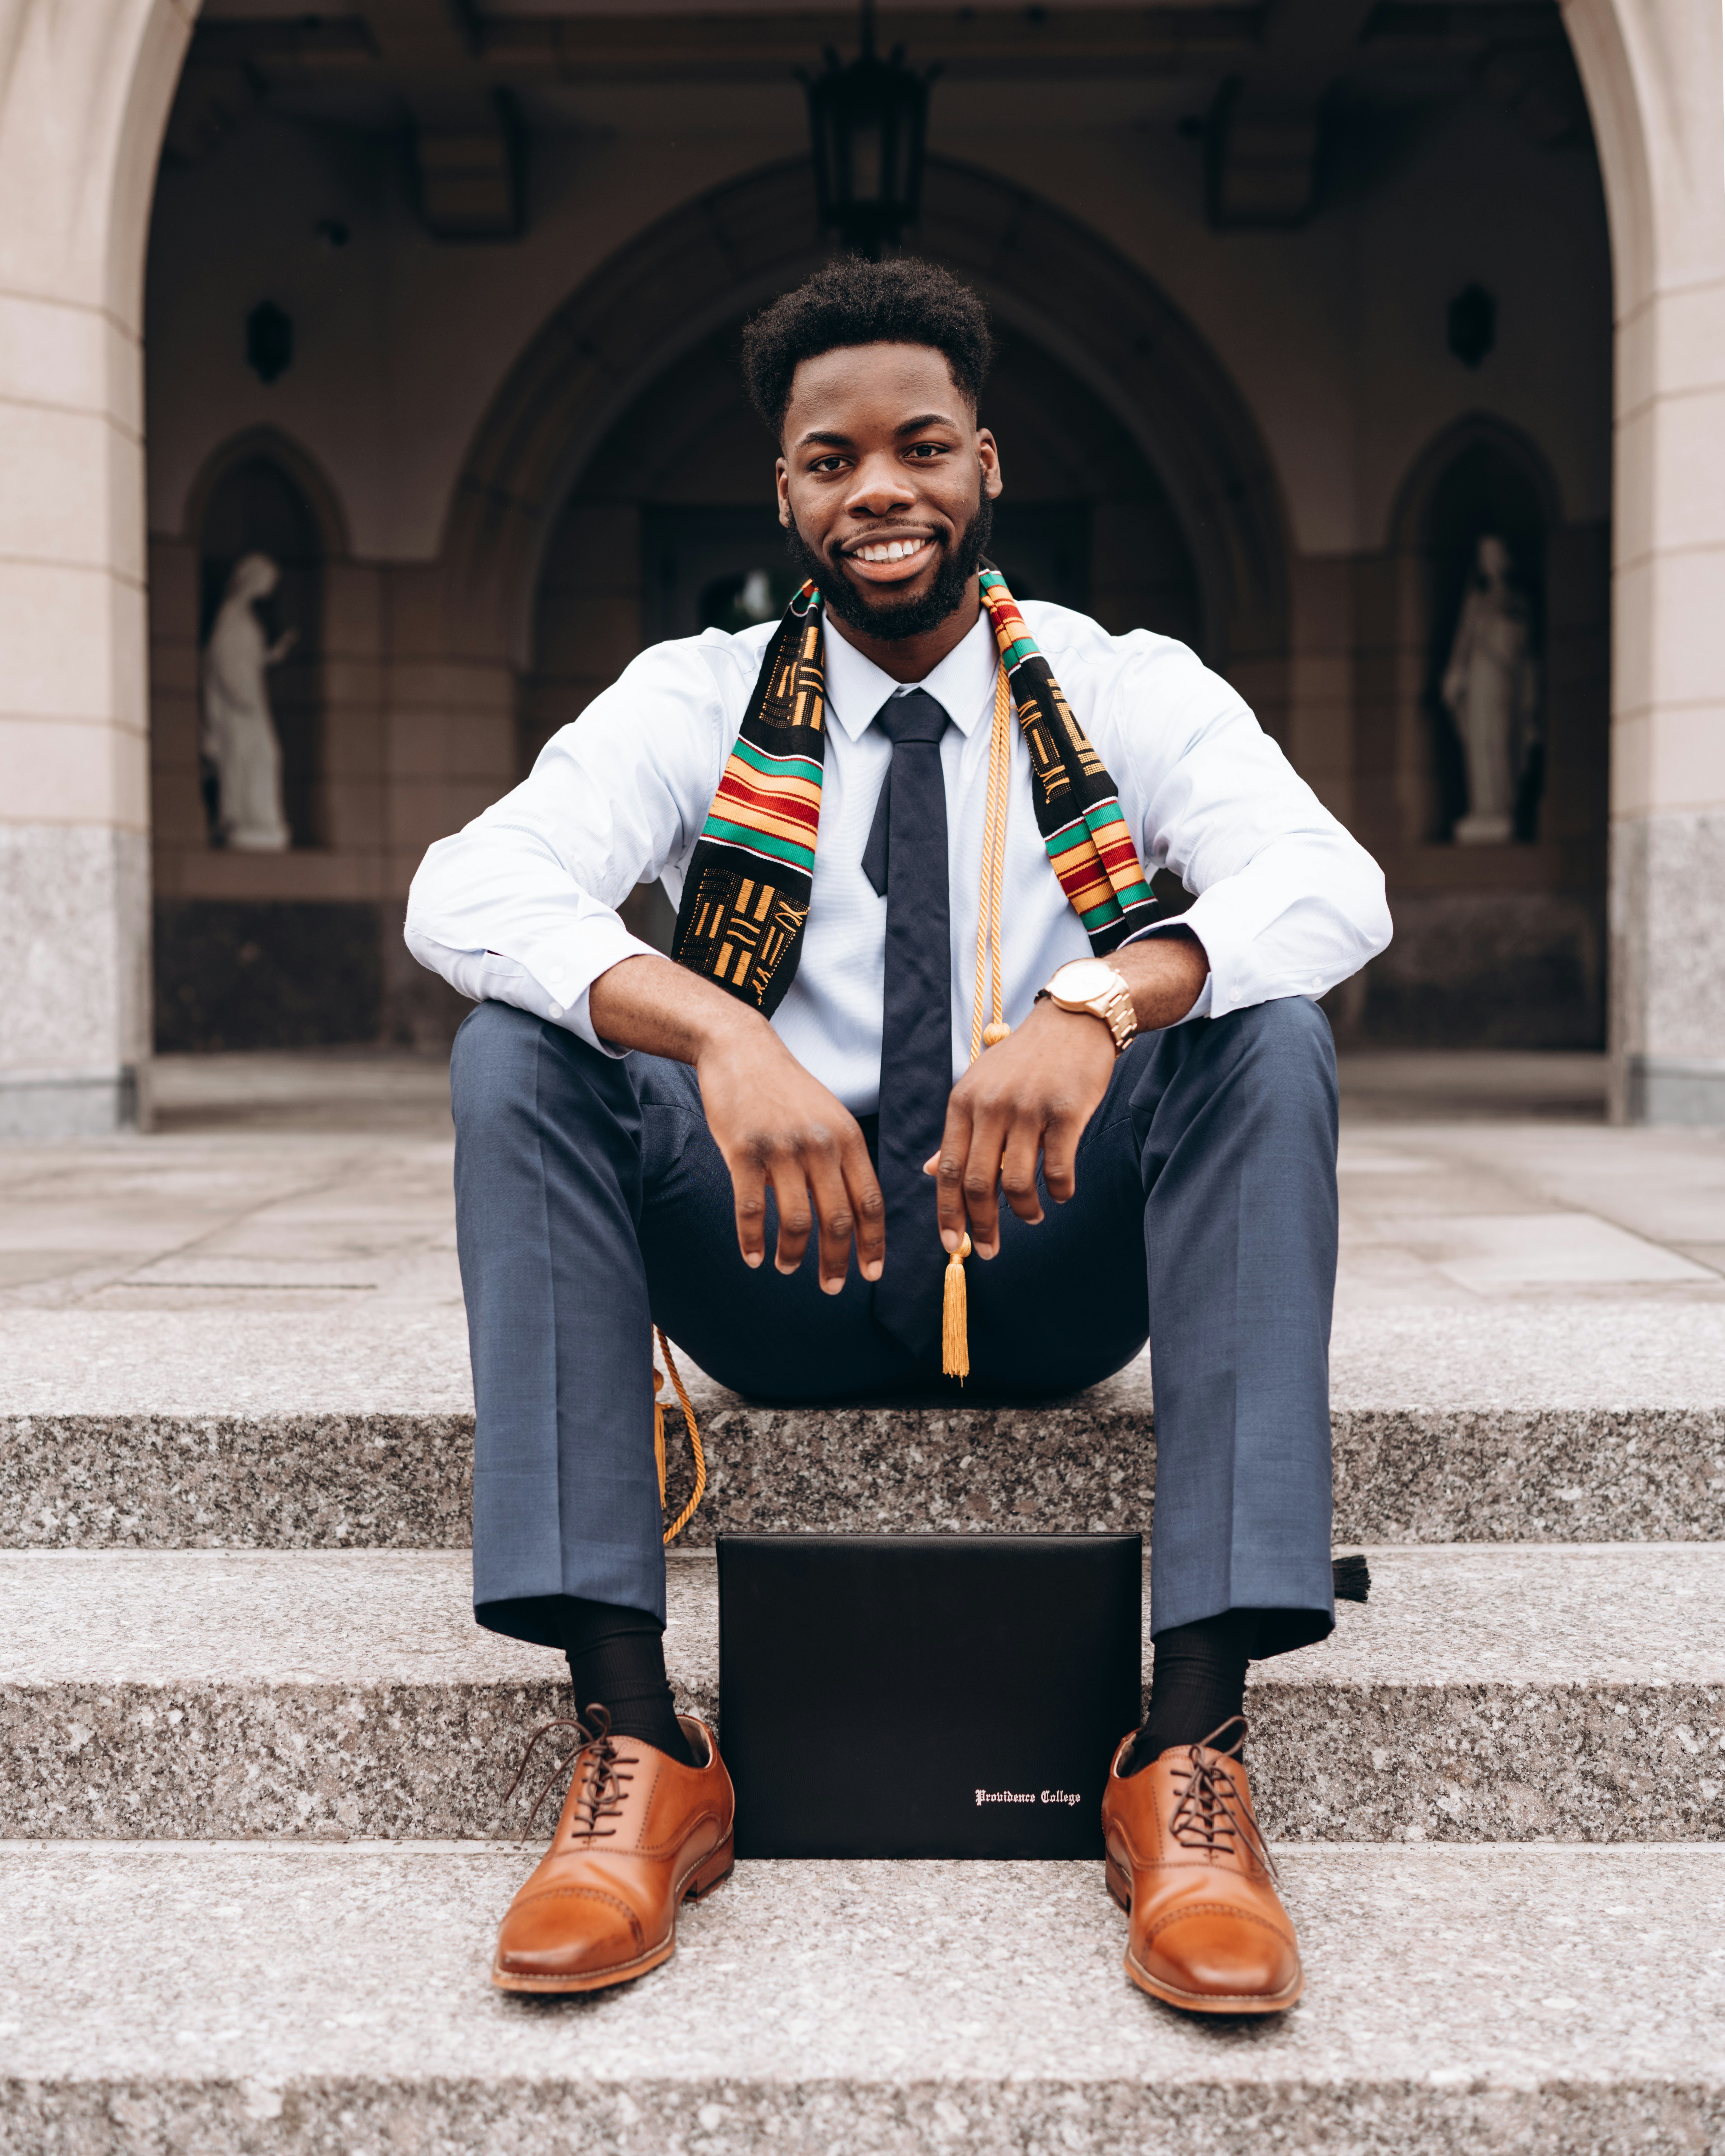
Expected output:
(521, 906)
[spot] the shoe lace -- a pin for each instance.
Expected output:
(598, 1765)
(1206, 1816)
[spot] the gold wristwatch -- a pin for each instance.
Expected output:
(1092, 985)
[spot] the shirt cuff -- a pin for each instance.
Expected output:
(555, 980)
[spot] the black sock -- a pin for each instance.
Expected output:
(1197, 1684)
(617, 1661)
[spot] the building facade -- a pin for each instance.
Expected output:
(436, 305)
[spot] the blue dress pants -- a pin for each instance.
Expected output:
(591, 1202)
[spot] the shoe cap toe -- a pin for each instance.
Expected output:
(568, 1932)
(1221, 1953)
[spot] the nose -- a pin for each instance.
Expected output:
(880, 487)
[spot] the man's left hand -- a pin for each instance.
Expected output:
(1030, 1098)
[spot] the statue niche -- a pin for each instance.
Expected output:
(260, 629)
(238, 737)
(1489, 686)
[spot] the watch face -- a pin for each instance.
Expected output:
(1082, 980)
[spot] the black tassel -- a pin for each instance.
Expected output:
(1353, 1578)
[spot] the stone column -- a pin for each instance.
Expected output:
(1652, 69)
(84, 96)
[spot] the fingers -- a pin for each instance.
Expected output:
(981, 1180)
(823, 1185)
(1059, 1157)
(748, 1186)
(835, 1221)
(1018, 1170)
(967, 1172)
(948, 1167)
(789, 1178)
(868, 1206)
(988, 1150)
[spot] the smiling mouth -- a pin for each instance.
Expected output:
(890, 561)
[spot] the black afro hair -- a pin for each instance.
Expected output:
(851, 301)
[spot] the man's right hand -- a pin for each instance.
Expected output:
(779, 1128)
(776, 1127)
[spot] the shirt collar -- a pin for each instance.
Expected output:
(963, 682)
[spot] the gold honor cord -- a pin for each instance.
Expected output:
(955, 1315)
(687, 1513)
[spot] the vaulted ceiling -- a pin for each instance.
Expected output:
(1270, 95)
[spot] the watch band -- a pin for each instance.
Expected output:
(1122, 1019)
(1115, 1009)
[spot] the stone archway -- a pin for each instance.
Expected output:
(85, 93)
(1045, 277)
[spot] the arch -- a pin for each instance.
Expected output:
(1410, 513)
(1045, 277)
(268, 445)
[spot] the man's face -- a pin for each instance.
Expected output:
(883, 479)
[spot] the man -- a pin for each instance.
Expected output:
(636, 1138)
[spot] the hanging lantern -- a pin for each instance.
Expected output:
(866, 122)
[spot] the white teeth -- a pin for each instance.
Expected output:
(892, 550)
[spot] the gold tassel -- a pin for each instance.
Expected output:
(955, 1317)
(658, 1433)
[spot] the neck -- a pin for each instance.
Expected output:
(914, 658)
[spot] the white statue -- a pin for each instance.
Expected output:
(238, 735)
(1491, 689)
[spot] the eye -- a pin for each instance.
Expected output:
(927, 451)
(827, 464)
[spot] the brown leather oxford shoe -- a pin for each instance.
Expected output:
(638, 1833)
(1186, 1862)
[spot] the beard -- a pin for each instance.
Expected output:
(893, 621)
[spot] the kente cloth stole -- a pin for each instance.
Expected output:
(746, 898)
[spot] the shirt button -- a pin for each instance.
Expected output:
(556, 1010)
(1317, 980)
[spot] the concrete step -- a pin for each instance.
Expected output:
(231, 2001)
(1424, 1451)
(1484, 1694)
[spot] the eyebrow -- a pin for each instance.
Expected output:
(832, 438)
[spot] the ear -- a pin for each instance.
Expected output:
(987, 453)
(782, 480)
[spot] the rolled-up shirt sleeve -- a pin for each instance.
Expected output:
(1288, 902)
(521, 906)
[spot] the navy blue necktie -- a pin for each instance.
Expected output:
(906, 860)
